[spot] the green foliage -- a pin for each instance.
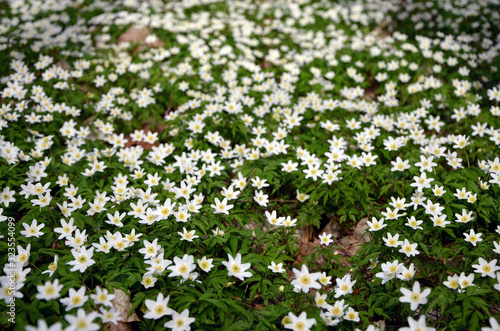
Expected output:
(265, 163)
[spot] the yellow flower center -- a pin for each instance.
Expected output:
(81, 323)
(305, 279)
(49, 290)
(159, 310)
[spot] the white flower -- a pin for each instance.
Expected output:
(472, 237)
(49, 291)
(305, 280)
(150, 249)
(7, 196)
(497, 285)
(389, 271)
(486, 268)
(187, 235)
(110, 316)
(494, 325)
(406, 274)
(75, 298)
(414, 223)
(236, 268)
(23, 254)
(148, 280)
(376, 225)
(409, 249)
(300, 323)
(415, 297)
(465, 281)
(82, 321)
(289, 166)
(324, 279)
(52, 267)
(33, 230)
(261, 198)
(400, 165)
(344, 286)
(338, 308)
(325, 239)
(417, 325)
(158, 309)
(221, 207)
(83, 259)
(465, 217)
(302, 197)
(218, 232)
(320, 300)
(42, 326)
(351, 315)
(452, 282)
(180, 322)
(115, 219)
(422, 182)
(277, 268)
(205, 264)
(102, 297)
(392, 241)
(182, 267)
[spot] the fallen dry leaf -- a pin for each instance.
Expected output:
(352, 242)
(121, 326)
(136, 34)
(122, 304)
